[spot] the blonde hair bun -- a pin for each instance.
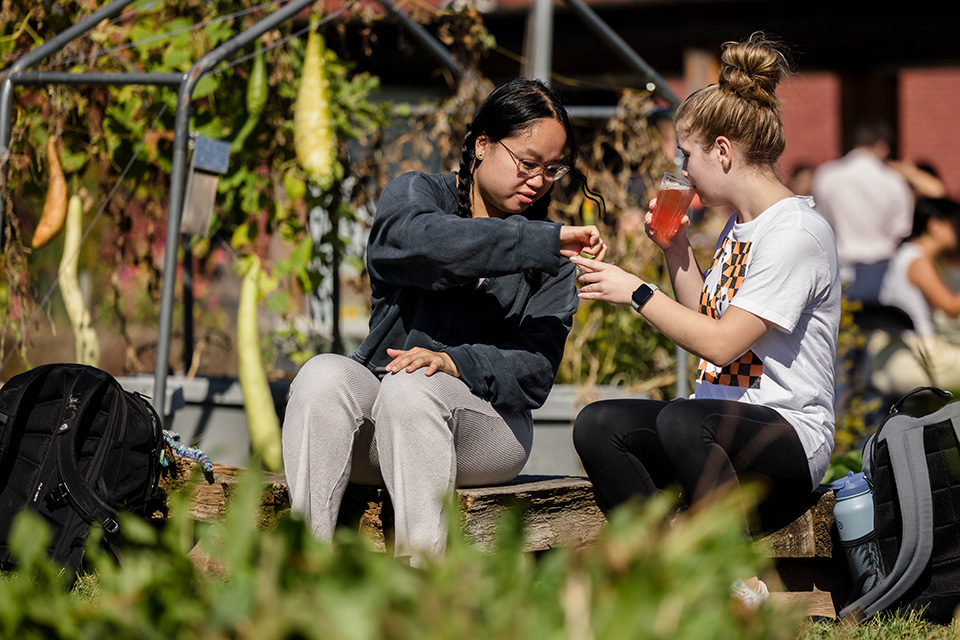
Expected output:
(753, 68)
(743, 104)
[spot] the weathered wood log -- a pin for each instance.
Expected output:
(555, 512)
(809, 536)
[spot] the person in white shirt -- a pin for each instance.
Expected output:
(763, 319)
(913, 283)
(869, 205)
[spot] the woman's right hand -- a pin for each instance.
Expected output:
(667, 243)
(577, 240)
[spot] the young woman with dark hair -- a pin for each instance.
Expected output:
(914, 283)
(473, 295)
(763, 319)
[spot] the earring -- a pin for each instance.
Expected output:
(480, 156)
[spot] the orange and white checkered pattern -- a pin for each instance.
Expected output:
(730, 261)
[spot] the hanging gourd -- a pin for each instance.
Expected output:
(55, 205)
(257, 90)
(258, 403)
(313, 127)
(85, 338)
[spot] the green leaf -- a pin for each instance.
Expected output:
(280, 302)
(242, 236)
(206, 86)
(72, 161)
(178, 57)
(29, 538)
(294, 185)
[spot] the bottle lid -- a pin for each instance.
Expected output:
(853, 484)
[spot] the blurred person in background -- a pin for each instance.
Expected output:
(869, 204)
(914, 282)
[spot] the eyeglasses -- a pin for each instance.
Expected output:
(530, 168)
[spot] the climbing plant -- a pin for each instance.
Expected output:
(115, 142)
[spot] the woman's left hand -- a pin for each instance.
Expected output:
(606, 282)
(417, 358)
(574, 240)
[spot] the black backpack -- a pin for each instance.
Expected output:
(913, 464)
(75, 447)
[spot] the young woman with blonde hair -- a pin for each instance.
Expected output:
(763, 319)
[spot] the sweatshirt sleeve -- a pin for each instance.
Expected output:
(518, 372)
(417, 240)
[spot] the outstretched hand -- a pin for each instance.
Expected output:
(606, 282)
(574, 240)
(412, 359)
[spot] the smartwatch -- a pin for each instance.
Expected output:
(640, 297)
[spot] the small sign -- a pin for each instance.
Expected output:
(210, 160)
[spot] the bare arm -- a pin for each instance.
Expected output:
(923, 273)
(719, 341)
(686, 278)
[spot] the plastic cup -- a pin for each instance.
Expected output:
(674, 199)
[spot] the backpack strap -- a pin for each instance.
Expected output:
(11, 395)
(73, 486)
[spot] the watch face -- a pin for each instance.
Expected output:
(641, 295)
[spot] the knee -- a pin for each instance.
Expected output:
(411, 392)
(328, 381)
(591, 432)
(313, 374)
(322, 373)
(678, 430)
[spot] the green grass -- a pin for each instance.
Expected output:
(881, 627)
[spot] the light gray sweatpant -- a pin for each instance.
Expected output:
(420, 436)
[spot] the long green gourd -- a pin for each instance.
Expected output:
(85, 338)
(258, 404)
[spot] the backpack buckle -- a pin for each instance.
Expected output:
(110, 525)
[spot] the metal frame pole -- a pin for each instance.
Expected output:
(178, 177)
(623, 50)
(426, 40)
(542, 46)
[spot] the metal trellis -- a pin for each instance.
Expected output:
(19, 73)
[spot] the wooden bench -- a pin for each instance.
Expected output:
(559, 512)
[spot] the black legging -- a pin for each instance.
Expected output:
(635, 447)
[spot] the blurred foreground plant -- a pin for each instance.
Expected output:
(643, 579)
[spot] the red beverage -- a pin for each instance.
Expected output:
(672, 202)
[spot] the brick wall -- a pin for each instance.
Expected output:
(930, 121)
(811, 119)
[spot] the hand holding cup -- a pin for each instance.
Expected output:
(673, 200)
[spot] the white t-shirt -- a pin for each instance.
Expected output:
(897, 290)
(781, 266)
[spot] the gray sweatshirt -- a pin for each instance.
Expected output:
(494, 294)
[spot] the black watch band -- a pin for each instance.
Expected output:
(643, 294)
